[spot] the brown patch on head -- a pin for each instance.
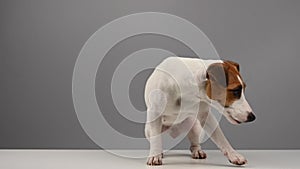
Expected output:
(223, 83)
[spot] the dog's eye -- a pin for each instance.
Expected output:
(237, 92)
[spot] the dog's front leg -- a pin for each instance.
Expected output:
(212, 128)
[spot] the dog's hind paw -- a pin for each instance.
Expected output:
(155, 160)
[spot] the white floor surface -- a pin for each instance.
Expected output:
(175, 159)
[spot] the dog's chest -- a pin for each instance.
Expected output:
(180, 109)
(177, 121)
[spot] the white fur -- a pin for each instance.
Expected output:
(183, 78)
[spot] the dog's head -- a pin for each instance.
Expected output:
(226, 86)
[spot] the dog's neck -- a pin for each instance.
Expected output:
(201, 75)
(202, 80)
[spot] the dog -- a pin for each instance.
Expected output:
(179, 95)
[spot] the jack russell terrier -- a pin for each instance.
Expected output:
(179, 95)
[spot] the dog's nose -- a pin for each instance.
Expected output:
(251, 117)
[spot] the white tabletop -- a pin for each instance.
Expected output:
(175, 159)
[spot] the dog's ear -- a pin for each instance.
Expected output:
(236, 65)
(217, 73)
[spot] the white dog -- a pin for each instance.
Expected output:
(179, 94)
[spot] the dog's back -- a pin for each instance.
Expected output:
(174, 74)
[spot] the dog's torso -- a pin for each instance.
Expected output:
(182, 82)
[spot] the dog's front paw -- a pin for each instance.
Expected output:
(155, 160)
(236, 158)
(197, 153)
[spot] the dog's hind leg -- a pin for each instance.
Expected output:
(153, 127)
(152, 132)
(194, 137)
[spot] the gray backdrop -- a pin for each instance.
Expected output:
(41, 39)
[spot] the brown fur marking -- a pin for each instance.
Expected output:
(222, 93)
